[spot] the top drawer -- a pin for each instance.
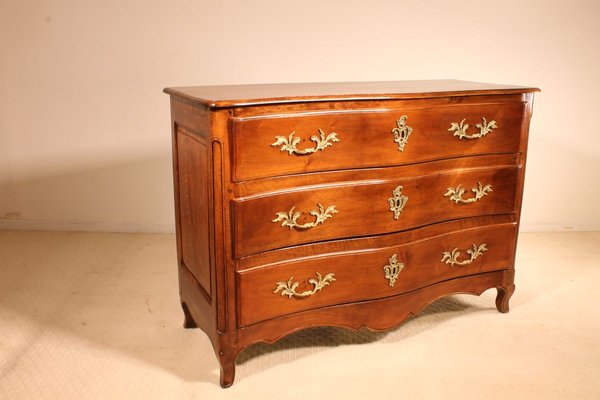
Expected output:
(282, 144)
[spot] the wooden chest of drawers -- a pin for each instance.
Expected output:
(345, 204)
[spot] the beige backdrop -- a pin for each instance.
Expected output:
(84, 126)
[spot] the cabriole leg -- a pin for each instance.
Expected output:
(188, 322)
(227, 363)
(504, 294)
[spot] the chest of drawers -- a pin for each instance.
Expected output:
(343, 204)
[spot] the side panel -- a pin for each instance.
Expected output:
(199, 167)
(192, 156)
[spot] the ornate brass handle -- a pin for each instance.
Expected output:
(393, 269)
(289, 289)
(290, 218)
(401, 132)
(460, 129)
(451, 257)
(397, 202)
(290, 143)
(456, 193)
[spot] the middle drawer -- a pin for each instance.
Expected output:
(309, 214)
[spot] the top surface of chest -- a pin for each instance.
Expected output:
(245, 95)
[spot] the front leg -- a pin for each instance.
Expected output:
(227, 364)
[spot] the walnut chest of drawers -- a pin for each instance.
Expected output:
(344, 204)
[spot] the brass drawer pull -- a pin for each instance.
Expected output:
(397, 202)
(401, 132)
(289, 219)
(460, 129)
(289, 144)
(289, 289)
(393, 269)
(456, 193)
(451, 257)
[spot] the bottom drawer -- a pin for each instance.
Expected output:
(296, 285)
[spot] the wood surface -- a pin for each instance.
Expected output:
(193, 206)
(359, 275)
(242, 95)
(366, 138)
(229, 182)
(363, 207)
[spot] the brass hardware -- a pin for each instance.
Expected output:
(289, 289)
(460, 129)
(393, 269)
(289, 219)
(451, 257)
(456, 194)
(397, 202)
(290, 143)
(401, 132)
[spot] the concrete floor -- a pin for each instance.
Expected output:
(97, 316)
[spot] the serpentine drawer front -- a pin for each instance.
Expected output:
(269, 145)
(358, 208)
(268, 292)
(345, 204)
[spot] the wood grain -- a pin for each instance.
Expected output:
(366, 138)
(363, 207)
(193, 206)
(244, 95)
(359, 275)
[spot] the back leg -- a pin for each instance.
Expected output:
(503, 297)
(188, 322)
